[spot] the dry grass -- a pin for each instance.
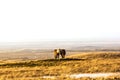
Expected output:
(91, 62)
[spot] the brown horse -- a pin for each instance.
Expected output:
(63, 53)
(56, 53)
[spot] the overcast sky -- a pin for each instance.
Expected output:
(39, 20)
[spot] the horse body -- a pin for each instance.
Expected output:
(56, 54)
(62, 53)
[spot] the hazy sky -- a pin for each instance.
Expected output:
(36, 20)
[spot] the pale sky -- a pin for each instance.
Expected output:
(39, 20)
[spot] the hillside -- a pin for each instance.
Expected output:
(90, 62)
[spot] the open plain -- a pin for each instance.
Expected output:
(61, 69)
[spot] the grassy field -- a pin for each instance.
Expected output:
(86, 62)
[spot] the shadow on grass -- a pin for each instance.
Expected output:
(47, 62)
(65, 59)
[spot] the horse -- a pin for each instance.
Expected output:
(58, 52)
